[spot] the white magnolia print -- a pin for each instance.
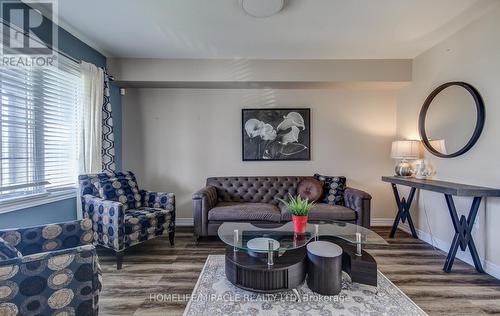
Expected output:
(280, 142)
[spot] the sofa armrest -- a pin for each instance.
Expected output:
(209, 194)
(108, 218)
(203, 200)
(360, 202)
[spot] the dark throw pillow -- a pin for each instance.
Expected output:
(333, 189)
(311, 189)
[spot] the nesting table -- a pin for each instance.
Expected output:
(271, 257)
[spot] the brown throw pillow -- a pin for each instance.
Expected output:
(310, 189)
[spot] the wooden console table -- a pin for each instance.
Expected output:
(462, 226)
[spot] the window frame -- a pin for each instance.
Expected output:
(34, 200)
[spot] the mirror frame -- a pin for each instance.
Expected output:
(479, 121)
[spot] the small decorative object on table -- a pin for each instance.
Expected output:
(299, 208)
(424, 170)
(404, 150)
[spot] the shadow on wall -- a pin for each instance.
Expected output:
(470, 14)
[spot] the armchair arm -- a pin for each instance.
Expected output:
(84, 249)
(203, 200)
(164, 200)
(49, 237)
(108, 221)
(360, 202)
(66, 278)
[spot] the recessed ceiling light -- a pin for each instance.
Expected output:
(262, 8)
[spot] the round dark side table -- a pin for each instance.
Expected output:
(324, 267)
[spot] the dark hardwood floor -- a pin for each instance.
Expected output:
(155, 276)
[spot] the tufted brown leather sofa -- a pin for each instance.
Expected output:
(253, 199)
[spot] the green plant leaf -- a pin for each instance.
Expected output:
(297, 206)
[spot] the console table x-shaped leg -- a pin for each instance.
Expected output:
(463, 233)
(463, 226)
(403, 211)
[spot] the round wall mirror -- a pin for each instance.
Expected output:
(451, 119)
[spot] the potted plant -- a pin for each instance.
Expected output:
(300, 209)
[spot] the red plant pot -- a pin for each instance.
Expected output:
(299, 223)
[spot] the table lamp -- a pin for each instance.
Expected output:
(405, 150)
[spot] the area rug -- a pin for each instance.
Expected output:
(214, 295)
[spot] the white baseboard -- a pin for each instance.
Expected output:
(489, 267)
(381, 221)
(184, 221)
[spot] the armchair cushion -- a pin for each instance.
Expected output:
(146, 223)
(120, 189)
(7, 251)
(333, 189)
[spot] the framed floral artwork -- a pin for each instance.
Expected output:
(276, 134)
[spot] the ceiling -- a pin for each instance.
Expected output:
(304, 29)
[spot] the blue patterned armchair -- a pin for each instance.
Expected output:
(49, 270)
(123, 215)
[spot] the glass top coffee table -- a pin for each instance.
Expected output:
(256, 251)
(238, 235)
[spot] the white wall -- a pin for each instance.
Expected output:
(175, 138)
(471, 55)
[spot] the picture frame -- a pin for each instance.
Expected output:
(276, 134)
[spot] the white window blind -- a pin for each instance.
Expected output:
(39, 129)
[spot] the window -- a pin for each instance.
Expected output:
(39, 113)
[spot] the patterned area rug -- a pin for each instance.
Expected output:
(214, 295)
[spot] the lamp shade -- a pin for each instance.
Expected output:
(405, 149)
